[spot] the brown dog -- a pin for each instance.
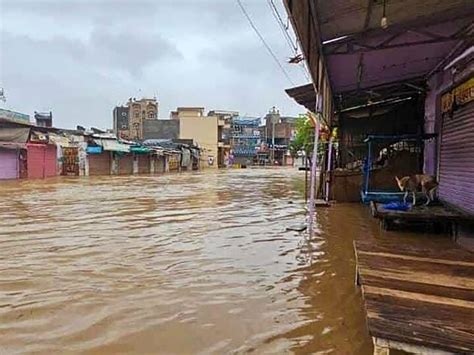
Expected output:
(413, 183)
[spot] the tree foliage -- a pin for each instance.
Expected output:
(304, 137)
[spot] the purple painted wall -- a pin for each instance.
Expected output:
(8, 164)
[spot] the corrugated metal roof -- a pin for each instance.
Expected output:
(361, 55)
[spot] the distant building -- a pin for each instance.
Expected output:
(206, 132)
(121, 126)
(187, 112)
(245, 138)
(44, 119)
(161, 129)
(130, 125)
(278, 133)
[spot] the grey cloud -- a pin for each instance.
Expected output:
(69, 54)
(127, 51)
(131, 51)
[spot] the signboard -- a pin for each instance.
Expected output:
(14, 116)
(460, 95)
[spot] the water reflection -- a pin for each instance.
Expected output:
(190, 263)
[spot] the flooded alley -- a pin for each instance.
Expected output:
(177, 264)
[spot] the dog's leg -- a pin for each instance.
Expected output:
(428, 200)
(432, 192)
(414, 198)
(405, 197)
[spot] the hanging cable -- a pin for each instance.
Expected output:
(279, 20)
(264, 42)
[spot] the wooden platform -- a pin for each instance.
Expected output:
(419, 297)
(436, 213)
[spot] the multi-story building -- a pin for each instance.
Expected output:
(278, 132)
(129, 120)
(187, 112)
(206, 132)
(121, 121)
(245, 138)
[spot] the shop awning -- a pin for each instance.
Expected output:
(361, 53)
(12, 145)
(364, 55)
(94, 149)
(140, 150)
(17, 135)
(113, 145)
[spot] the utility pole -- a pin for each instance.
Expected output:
(273, 140)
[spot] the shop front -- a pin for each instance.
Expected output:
(456, 157)
(41, 160)
(99, 161)
(125, 163)
(9, 163)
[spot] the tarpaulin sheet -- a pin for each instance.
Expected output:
(17, 135)
(60, 140)
(12, 145)
(113, 145)
(94, 150)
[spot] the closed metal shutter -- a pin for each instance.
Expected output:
(159, 164)
(99, 164)
(8, 164)
(143, 164)
(125, 164)
(35, 161)
(50, 161)
(456, 169)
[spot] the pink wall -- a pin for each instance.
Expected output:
(8, 164)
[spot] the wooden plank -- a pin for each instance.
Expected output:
(408, 348)
(420, 287)
(416, 296)
(418, 293)
(421, 213)
(424, 249)
(410, 321)
(417, 269)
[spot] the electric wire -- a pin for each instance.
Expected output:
(262, 39)
(279, 20)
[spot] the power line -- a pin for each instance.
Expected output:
(264, 42)
(282, 26)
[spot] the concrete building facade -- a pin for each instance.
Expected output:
(129, 120)
(161, 129)
(206, 132)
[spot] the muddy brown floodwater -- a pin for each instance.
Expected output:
(176, 264)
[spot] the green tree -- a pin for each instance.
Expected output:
(304, 137)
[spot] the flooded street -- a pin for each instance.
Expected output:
(176, 264)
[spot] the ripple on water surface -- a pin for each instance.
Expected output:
(189, 263)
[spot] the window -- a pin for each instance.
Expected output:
(137, 114)
(151, 114)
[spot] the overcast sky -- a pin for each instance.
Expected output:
(80, 58)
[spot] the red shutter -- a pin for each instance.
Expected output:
(35, 160)
(50, 161)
